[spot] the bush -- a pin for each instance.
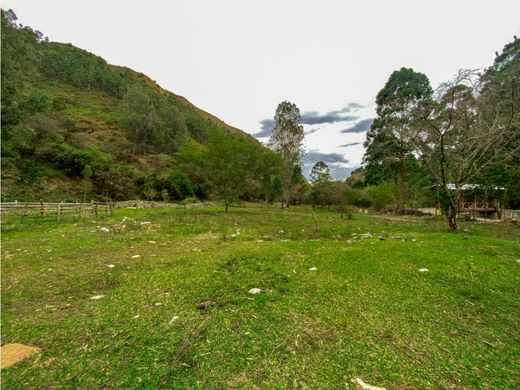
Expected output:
(115, 183)
(357, 197)
(383, 196)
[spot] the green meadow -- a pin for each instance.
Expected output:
(159, 299)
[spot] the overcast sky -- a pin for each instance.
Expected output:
(239, 59)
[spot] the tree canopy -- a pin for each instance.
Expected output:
(287, 140)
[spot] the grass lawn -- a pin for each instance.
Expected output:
(365, 312)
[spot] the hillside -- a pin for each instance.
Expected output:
(74, 126)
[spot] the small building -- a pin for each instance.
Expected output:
(477, 201)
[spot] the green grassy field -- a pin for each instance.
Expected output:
(365, 312)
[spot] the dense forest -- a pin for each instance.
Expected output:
(75, 127)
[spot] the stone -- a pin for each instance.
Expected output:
(366, 386)
(136, 256)
(313, 269)
(174, 318)
(255, 291)
(96, 297)
(14, 353)
(423, 269)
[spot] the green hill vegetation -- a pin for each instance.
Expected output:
(75, 127)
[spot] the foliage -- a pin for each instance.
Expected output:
(357, 197)
(152, 126)
(383, 196)
(387, 145)
(67, 116)
(320, 172)
(287, 140)
(74, 66)
(233, 166)
(114, 183)
(458, 139)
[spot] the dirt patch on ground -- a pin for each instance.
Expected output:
(13, 353)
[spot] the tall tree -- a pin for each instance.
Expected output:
(461, 134)
(287, 140)
(320, 172)
(386, 144)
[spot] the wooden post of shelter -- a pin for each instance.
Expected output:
(42, 208)
(58, 210)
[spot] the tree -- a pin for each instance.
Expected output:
(287, 140)
(501, 86)
(387, 144)
(320, 172)
(172, 131)
(461, 134)
(139, 117)
(230, 161)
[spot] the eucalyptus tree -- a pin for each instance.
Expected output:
(287, 140)
(387, 146)
(320, 172)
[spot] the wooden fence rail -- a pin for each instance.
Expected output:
(59, 209)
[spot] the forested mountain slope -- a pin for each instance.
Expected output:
(74, 126)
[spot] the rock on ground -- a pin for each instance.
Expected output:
(366, 386)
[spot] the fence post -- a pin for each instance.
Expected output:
(59, 211)
(42, 208)
(95, 209)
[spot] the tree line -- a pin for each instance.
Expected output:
(467, 131)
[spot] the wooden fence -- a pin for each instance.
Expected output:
(42, 208)
(511, 215)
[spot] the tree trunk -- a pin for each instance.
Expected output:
(400, 205)
(452, 218)
(454, 210)
(226, 204)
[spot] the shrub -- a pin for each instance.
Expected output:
(383, 196)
